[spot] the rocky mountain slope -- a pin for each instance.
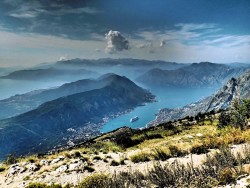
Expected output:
(25, 102)
(195, 75)
(68, 118)
(234, 89)
(163, 156)
(130, 68)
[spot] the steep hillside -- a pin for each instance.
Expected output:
(25, 102)
(184, 153)
(194, 75)
(234, 89)
(68, 118)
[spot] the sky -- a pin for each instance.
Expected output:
(185, 31)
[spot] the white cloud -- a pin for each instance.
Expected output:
(63, 58)
(192, 43)
(115, 42)
(28, 14)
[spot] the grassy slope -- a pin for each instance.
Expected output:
(165, 141)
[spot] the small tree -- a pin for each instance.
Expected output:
(237, 115)
(224, 119)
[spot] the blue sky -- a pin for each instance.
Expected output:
(36, 31)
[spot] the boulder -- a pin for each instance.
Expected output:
(44, 163)
(33, 167)
(60, 158)
(76, 166)
(62, 168)
(15, 169)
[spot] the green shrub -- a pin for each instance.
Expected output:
(2, 169)
(95, 181)
(11, 159)
(176, 151)
(41, 185)
(198, 149)
(89, 168)
(114, 163)
(26, 178)
(97, 157)
(77, 154)
(159, 154)
(140, 157)
(154, 136)
(226, 175)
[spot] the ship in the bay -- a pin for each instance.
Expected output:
(136, 118)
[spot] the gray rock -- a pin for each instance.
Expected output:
(15, 169)
(44, 163)
(33, 167)
(60, 158)
(62, 168)
(76, 166)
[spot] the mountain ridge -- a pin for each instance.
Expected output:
(47, 125)
(194, 75)
(235, 88)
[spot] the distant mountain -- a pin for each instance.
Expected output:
(238, 65)
(107, 62)
(49, 74)
(130, 68)
(53, 122)
(194, 75)
(234, 89)
(25, 102)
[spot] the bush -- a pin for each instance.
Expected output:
(226, 175)
(97, 157)
(2, 169)
(11, 159)
(237, 115)
(159, 154)
(41, 185)
(140, 157)
(89, 168)
(224, 119)
(77, 154)
(198, 149)
(95, 181)
(114, 163)
(176, 151)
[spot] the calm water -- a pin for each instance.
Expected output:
(167, 98)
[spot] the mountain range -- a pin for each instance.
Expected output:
(53, 122)
(49, 74)
(235, 88)
(195, 75)
(21, 103)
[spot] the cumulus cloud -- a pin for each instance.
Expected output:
(115, 42)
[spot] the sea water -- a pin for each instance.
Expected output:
(168, 97)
